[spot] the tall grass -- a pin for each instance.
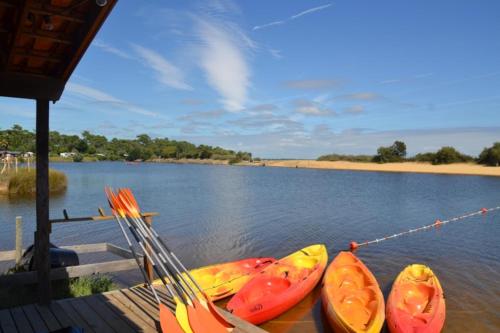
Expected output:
(23, 182)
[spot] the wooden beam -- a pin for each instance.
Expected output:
(21, 16)
(37, 55)
(30, 86)
(96, 218)
(69, 272)
(82, 248)
(55, 37)
(42, 234)
(41, 11)
(89, 30)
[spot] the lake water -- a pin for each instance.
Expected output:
(211, 214)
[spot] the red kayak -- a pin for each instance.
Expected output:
(416, 302)
(280, 286)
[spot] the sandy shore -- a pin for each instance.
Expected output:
(453, 169)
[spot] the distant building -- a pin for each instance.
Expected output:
(67, 155)
(7, 153)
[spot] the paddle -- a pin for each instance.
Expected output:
(168, 321)
(197, 316)
(157, 243)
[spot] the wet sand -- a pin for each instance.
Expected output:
(453, 169)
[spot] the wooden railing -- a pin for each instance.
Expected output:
(128, 262)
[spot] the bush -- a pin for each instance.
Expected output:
(448, 155)
(349, 158)
(234, 160)
(490, 156)
(90, 285)
(78, 158)
(24, 181)
(425, 157)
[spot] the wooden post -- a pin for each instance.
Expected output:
(42, 234)
(147, 265)
(19, 239)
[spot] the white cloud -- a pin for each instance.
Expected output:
(110, 49)
(166, 73)
(98, 96)
(309, 11)
(311, 108)
(270, 24)
(222, 53)
(293, 17)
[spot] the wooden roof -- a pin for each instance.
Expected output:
(42, 41)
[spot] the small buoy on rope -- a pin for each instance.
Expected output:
(354, 245)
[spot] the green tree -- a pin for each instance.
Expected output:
(394, 153)
(490, 156)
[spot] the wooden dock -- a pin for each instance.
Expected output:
(121, 311)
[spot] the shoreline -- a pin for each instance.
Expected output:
(406, 167)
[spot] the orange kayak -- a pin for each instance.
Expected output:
(223, 280)
(280, 286)
(416, 302)
(351, 296)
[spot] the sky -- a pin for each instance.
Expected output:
(288, 79)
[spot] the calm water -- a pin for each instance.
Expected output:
(212, 214)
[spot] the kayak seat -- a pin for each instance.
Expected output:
(416, 298)
(266, 286)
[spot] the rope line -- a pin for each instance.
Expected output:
(436, 223)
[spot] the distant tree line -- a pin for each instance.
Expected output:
(143, 147)
(397, 153)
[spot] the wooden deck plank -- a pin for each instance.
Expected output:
(34, 318)
(74, 315)
(125, 311)
(61, 316)
(116, 322)
(48, 318)
(133, 307)
(7, 322)
(21, 321)
(143, 302)
(90, 316)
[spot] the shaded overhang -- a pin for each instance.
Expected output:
(42, 41)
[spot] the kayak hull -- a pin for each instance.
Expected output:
(223, 280)
(416, 303)
(280, 286)
(351, 297)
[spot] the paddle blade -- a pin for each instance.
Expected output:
(181, 313)
(168, 322)
(215, 312)
(210, 322)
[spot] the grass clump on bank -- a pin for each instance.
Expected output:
(23, 182)
(76, 287)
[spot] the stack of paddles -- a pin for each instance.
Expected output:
(194, 312)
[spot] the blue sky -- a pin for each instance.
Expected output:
(289, 79)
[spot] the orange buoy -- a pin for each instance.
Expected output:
(484, 210)
(437, 222)
(354, 245)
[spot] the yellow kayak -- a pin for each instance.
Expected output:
(351, 296)
(223, 280)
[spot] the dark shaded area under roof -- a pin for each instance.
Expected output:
(42, 41)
